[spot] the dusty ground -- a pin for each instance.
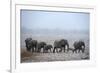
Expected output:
(46, 57)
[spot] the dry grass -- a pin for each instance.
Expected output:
(47, 57)
(25, 54)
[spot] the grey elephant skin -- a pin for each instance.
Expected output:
(60, 44)
(31, 45)
(40, 45)
(47, 48)
(79, 46)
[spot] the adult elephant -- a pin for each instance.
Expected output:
(79, 46)
(40, 46)
(47, 48)
(31, 45)
(27, 43)
(60, 44)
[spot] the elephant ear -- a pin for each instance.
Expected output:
(56, 43)
(82, 43)
(62, 42)
(75, 43)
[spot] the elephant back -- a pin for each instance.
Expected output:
(34, 42)
(79, 44)
(76, 45)
(41, 44)
(64, 42)
(48, 46)
(82, 43)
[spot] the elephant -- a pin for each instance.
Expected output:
(40, 45)
(27, 43)
(79, 46)
(31, 44)
(60, 44)
(47, 47)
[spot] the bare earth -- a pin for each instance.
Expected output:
(46, 57)
(27, 57)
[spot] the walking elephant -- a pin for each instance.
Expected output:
(61, 45)
(79, 46)
(27, 43)
(40, 46)
(47, 48)
(31, 44)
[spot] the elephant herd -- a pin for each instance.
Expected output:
(58, 46)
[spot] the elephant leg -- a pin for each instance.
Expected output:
(64, 49)
(57, 50)
(47, 50)
(73, 51)
(67, 50)
(78, 50)
(32, 49)
(35, 49)
(54, 49)
(60, 50)
(82, 50)
(38, 50)
(50, 49)
(27, 47)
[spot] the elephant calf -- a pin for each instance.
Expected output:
(79, 46)
(47, 48)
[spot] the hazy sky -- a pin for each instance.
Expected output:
(54, 20)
